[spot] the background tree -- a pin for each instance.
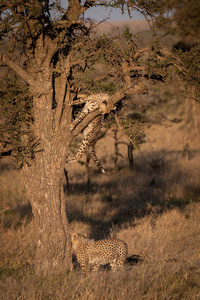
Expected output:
(57, 58)
(179, 18)
(186, 24)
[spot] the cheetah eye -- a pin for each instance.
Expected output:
(104, 103)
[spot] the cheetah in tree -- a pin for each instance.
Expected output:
(95, 253)
(103, 102)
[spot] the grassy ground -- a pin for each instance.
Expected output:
(154, 208)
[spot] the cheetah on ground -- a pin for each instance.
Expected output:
(95, 253)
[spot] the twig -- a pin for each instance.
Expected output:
(122, 130)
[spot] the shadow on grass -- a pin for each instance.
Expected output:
(158, 183)
(151, 188)
(16, 217)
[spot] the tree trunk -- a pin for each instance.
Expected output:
(192, 121)
(43, 179)
(46, 195)
(130, 156)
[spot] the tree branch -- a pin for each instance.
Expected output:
(73, 11)
(19, 71)
(85, 122)
(137, 89)
(81, 60)
(88, 4)
(63, 95)
(139, 52)
(36, 88)
(122, 130)
(140, 88)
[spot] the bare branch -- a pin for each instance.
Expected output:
(139, 52)
(128, 87)
(122, 130)
(36, 88)
(73, 11)
(88, 4)
(85, 122)
(135, 68)
(80, 96)
(61, 92)
(140, 88)
(178, 64)
(77, 62)
(19, 71)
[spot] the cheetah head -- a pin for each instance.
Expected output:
(106, 104)
(76, 238)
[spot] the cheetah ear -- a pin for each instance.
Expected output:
(85, 235)
(74, 236)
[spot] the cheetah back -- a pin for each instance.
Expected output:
(108, 251)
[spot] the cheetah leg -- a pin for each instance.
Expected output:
(94, 157)
(113, 266)
(86, 142)
(95, 268)
(116, 264)
(90, 133)
(85, 268)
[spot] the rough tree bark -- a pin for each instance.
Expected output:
(43, 176)
(43, 179)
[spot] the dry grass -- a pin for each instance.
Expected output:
(14, 206)
(170, 267)
(154, 208)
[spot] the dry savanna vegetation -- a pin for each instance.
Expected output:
(52, 57)
(154, 208)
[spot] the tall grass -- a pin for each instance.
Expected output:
(169, 266)
(154, 208)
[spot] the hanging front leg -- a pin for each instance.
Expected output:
(90, 135)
